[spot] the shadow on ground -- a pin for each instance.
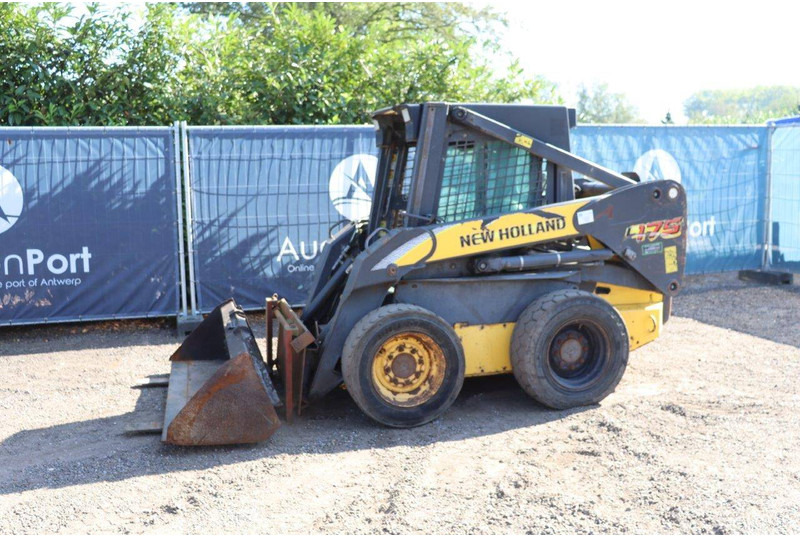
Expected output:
(96, 451)
(77, 336)
(722, 300)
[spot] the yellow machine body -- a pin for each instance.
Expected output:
(482, 235)
(487, 347)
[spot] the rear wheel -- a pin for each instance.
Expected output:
(569, 348)
(403, 365)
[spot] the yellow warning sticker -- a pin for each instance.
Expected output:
(523, 140)
(671, 259)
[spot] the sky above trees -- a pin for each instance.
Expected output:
(238, 63)
(657, 53)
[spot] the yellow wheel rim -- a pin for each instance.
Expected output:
(408, 369)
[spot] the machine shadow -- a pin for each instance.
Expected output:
(90, 335)
(776, 304)
(97, 451)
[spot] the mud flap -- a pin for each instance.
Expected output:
(220, 392)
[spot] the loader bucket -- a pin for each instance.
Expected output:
(220, 392)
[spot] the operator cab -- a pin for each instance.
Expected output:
(464, 174)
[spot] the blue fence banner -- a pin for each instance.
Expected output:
(784, 196)
(264, 198)
(724, 172)
(88, 224)
(263, 202)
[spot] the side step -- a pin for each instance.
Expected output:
(767, 277)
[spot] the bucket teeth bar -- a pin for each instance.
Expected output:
(219, 390)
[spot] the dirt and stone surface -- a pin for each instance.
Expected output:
(701, 436)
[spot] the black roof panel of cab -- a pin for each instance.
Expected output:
(547, 123)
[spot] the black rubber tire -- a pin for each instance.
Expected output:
(366, 338)
(538, 326)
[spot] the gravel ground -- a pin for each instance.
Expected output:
(701, 436)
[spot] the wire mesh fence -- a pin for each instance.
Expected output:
(89, 223)
(723, 169)
(784, 198)
(263, 202)
(488, 178)
(265, 198)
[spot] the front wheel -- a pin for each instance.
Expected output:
(403, 365)
(569, 348)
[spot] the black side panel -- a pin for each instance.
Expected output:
(645, 224)
(426, 180)
(615, 274)
(478, 300)
(207, 341)
(323, 268)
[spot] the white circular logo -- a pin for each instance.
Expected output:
(657, 165)
(10, 200)
(351, 185)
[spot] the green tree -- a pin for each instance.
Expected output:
(90, 70)
(408, 20)
(243, 63)
(298, 63)
(597, 104)
(753, 105)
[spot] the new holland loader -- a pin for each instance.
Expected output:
(482, 255)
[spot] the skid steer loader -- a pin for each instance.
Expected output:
(482, 255)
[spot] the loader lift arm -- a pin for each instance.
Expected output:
(539, 148)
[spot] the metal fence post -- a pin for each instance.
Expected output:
(180, 215)
(767, 261)
(189, 216)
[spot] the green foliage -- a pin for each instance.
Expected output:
(732, 106)
(92, 70)
(247, 63)
(302, 66)
(599, 105)
(408, 18)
